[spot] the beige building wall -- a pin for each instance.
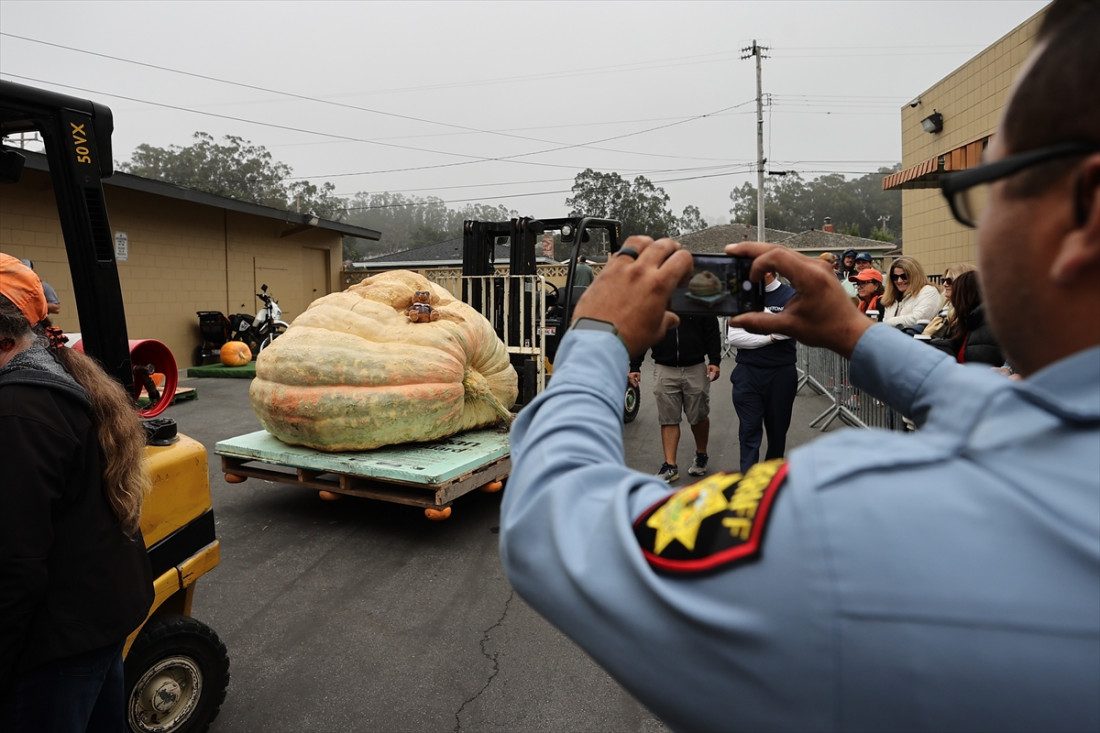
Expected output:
(971, 100)
(183, 257)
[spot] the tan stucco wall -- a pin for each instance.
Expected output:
(183, 257)
(971, 100)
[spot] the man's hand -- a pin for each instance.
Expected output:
(633, 294)
(634, 379)
(713, 372)
(820, 315)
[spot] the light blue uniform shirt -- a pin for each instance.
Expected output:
(945, 580)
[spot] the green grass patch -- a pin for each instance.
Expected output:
(212, 371)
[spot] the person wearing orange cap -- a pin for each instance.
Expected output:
(74, 575)
(869, 289)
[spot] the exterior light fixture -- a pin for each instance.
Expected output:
(932, 123)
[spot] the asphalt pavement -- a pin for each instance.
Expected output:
(359, 615)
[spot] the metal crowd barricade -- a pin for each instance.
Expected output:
(827, 373)
(523, 332)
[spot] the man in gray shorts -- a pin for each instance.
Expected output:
(682, 380)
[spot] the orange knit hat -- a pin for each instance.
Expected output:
(21, 286)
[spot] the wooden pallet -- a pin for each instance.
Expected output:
(428, 475)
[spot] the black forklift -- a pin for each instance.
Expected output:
(529, 313)
(177, 669)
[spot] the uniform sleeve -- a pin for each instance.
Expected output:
(33, 477)
(743, 647)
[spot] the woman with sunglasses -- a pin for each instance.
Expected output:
(970, 339)
(937, 328)
(909, 298)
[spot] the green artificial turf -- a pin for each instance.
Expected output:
(248, 371)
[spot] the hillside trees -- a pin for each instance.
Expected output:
(235, 168)
(794, 204)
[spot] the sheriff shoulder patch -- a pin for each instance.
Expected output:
(715, 522)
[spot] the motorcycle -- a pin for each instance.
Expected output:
(256, 331)
(260, 330)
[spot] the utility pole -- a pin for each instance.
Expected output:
(758, 51)
(883, 221)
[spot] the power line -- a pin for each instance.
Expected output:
(308, 98)
(514, 158)
(532, 193)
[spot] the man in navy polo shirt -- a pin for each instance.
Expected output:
(765, 381)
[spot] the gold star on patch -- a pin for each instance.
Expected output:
(679, 517)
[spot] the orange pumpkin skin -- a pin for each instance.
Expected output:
(235, 354)
(352, 373)
(493, 487)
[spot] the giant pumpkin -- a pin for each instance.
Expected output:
(353, 372)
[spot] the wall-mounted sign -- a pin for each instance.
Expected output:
(122, 247)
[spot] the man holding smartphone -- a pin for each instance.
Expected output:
(948, 579)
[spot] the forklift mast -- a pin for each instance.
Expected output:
(77, 136)
(523, 237)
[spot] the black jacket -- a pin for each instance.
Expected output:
(686, 345)
(976, 340)
(70, 580)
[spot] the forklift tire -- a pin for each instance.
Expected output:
(633, 402)
(177, 673)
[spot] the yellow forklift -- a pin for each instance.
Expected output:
(177, 669)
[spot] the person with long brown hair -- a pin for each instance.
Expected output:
(909, 298)
(969, 337)
(74, 574)
(938, 326)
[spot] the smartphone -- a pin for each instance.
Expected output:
(719, 285)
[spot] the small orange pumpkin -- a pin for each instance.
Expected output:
(234, 478)
(235, 354)
(493, 487)
(328, 495)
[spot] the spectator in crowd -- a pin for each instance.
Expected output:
(74, 574)
(835, 263)
(765, 381)
(946, 580)
(864, 261)
(937, 327)
(847, 264)
(970, 338)
(869, 288)
(582, 275)
(53, 303)
(681, 387)
(909, 300)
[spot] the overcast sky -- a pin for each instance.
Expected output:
(493, 80)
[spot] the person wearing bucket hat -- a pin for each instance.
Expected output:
(74, 575)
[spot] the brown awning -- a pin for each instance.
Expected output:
(927, 174)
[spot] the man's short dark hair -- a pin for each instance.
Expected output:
(1058, 101)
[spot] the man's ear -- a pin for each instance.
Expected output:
(1079, 250)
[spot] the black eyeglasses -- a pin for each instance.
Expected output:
(967, 192)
